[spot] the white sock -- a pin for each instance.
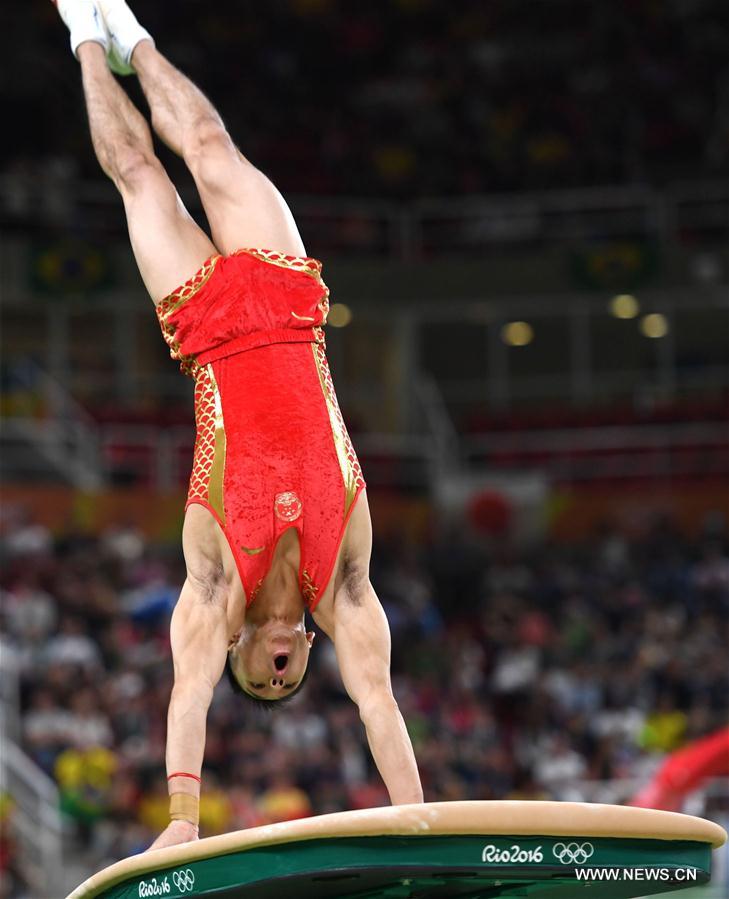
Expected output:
(125, 33)
(83, 19)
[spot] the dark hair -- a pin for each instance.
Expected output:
(269, 704)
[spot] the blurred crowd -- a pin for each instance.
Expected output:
(416, 97)
(521, 674)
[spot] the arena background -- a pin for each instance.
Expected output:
(523, 211)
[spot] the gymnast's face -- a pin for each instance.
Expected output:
(269, 660)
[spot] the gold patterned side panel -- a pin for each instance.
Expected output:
(205, 439)
(208, 467)
(348, 462)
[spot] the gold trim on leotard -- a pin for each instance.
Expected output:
(208, 467)
(179, 297)
(348, 462)
(308, 588)
(217, 471)
(305, 264)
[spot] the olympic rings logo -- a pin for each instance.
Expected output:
(573, 853)
(184, 880)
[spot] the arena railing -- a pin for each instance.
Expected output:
(161, 457)
(548, 217)
(35, 818)
(591, 453)
(63, 442)
(426, 227)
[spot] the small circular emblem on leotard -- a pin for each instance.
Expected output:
(287, 506)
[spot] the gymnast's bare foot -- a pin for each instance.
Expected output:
(175, 833)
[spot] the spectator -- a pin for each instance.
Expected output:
(46, 728)
(283, 800)
(31, 612)
(90, 726)
(519, 686)
(73, 646)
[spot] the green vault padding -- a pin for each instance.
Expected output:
(462, 850)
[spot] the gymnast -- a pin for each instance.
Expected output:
(277, 519)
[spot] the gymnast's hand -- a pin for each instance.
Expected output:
(175, 833)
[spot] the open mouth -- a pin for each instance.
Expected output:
(280, 662)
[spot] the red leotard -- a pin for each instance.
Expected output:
(272, 451)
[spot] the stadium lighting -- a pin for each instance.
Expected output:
(517, 333)
(340, 315)
(624, 305)
(654, 325)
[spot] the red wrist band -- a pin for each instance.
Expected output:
(185, 774)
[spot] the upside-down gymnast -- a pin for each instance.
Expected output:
(276, 519)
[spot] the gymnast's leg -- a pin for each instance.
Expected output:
(243, 207)
(169, 247)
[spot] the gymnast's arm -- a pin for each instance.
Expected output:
(362, 642)
(199, 637)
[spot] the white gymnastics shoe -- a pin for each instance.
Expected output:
(84, 21)
(124, 32)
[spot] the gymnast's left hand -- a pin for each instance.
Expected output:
(175, 833)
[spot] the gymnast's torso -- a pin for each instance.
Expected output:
(272, 451)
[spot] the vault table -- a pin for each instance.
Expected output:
(459, 850)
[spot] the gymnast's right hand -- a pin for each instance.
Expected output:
(175, 833)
